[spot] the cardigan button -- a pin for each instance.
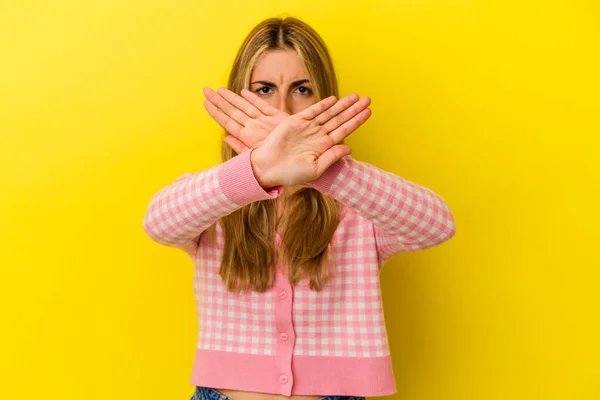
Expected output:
(283, 336)
(283, 379)
(283, 294)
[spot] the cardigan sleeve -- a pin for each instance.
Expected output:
(177, 214)
(405, 216)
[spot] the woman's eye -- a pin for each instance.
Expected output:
(264, 90)
(304, 90)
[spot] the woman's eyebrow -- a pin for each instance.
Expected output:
(271, 84)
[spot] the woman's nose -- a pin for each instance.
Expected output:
(284, 106)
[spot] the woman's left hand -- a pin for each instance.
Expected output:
(248, 119)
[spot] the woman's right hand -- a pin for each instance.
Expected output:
(306, 144)
(248, 119)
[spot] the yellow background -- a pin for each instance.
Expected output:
(492, 104)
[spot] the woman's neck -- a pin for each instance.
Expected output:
(287, 192)
(290, 190)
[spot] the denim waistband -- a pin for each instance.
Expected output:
(204, 393)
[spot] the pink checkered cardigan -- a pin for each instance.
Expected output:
(292, 340)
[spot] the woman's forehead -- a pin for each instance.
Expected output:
(280, 66)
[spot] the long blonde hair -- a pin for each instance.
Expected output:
(249, 254)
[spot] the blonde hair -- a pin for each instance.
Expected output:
(249, 254)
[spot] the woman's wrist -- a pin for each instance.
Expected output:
(261, 170)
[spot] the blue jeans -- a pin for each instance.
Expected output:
(204, 393)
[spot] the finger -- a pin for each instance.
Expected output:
(223, 119)
(333, 154)
(341, 105)
(259, 103)
(316, 109)
(236, 114)
(350, 126)
(236, 144)
(240, 103)
(346, 115)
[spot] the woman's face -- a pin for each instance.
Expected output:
(282, 80)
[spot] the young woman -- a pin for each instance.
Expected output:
(289, 233)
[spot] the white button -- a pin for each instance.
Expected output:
(283, 294)
(283, 379)
(283, 336)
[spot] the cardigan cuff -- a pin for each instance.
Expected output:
(239, 184)
(324, 182)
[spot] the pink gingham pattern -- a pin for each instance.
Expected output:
(405, 216)
(292, 340)
(180, 212)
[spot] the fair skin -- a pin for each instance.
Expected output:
(296, 137)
